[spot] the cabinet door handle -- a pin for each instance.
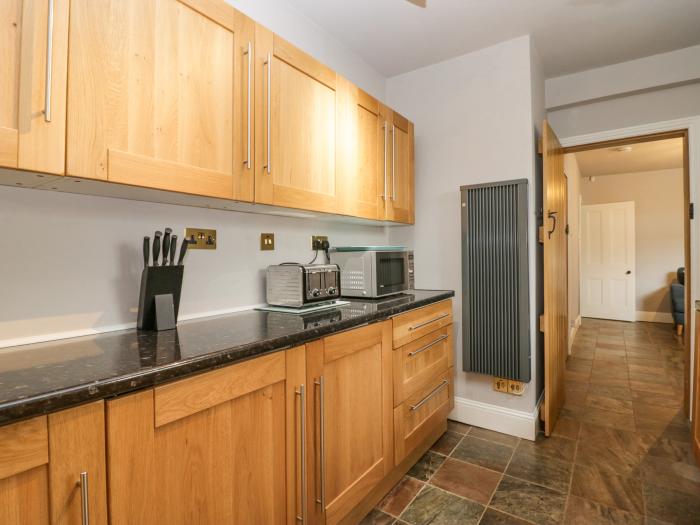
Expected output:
(322, 443)
(424, 348)
(302, 400)
(249, 53)
(385, 127)
(84, 502)
(425, 323)
(268, 65)
(431, 394)
(393, 162)
(49, 63)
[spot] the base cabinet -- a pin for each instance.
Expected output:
(52, 469)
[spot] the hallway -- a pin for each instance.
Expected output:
(620, 452)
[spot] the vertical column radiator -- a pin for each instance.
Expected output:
(495, 292)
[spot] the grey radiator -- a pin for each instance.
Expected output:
(495, 293)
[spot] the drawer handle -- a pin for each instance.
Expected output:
(85, 509)
(425, 323)
(431, 394)
(424, 348)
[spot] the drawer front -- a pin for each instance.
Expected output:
(417, 323)
(416, 417)
(417, 362)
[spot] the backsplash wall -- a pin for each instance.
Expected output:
(72, 264)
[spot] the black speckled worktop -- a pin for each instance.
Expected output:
(42, 378)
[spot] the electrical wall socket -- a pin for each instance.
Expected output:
(200, 239)
(500, 384)
(516, 387)
(317, 241)
(267, 241)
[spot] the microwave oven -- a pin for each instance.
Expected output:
(373, 271)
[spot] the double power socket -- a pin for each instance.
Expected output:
(508, 386)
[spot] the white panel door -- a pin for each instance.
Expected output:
(607, 261)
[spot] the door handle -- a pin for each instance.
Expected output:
(628, 272)
(552, 215)
(49, 63)
(321, 500)
(84, 501)
(393, 162)
(249, 54)
(268, 65)
(385, 128)
(302, 399)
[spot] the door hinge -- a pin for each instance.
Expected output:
(566, 230)
(541, 322)
(540, 145)
(540, 234)
(691, 211)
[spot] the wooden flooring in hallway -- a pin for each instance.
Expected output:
(620, 452)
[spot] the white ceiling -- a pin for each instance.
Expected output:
(646, 156)
(395, 36)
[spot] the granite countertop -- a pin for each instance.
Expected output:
(41, 378)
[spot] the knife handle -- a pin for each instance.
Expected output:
(173, 249)
(146, 249)
(166, 246)
(156, 248)
(183, 250)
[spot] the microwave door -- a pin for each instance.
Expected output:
(392, 272)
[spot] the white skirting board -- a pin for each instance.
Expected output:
(500, 419)
(654, 317)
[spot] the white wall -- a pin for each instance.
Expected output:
(76, 265)
(281, 17)
(573, 177)
(659, 223)
(52, 287)
(474, 123)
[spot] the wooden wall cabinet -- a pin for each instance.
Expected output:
(32, 110)
(41, 462)
(350, 414)
(156, 95)
(400, 199)
(210, 449)
(295, 127)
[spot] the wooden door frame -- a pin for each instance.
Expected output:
(688, 129)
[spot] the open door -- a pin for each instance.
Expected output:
(553, 236)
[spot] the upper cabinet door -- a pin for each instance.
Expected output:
(360, 153)
(400, 205)
(33, 48)
(154, 94)
(295, 127)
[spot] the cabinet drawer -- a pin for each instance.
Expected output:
(420, 360)
(417, 323)
(422, 411)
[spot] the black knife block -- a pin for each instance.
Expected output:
(159, 281)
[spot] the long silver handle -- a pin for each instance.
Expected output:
(393, 162)
(431, 394)
(424, 348)
(249, 53)
(384, 127)
(49, 63)
(322, 439)
(424, 323)
(302, 399)
(84, 503)
(268, 65)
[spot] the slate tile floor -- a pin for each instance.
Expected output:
(620, 452)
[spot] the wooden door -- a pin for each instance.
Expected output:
(608, 261)
(400, 198)
(555, 276)
(32, 110)
(156, 95)
(41, 462)
(360, 153)
(211, 449)
(295, 127)
(350, 414)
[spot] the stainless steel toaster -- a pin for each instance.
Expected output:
(297, 285)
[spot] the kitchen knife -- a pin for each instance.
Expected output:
(166, 246)
(173, 248)
(156, 248)
(183, 249)
(146, 249)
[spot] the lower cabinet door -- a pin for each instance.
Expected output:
(52, 468)
(349, 417)
(218, 448)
